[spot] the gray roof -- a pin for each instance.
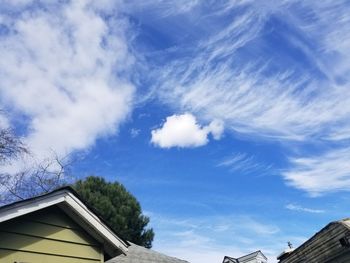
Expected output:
(228, 259)
(244, 258)
(251, 256)
(138, 254)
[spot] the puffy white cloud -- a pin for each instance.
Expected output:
(184, 131)
(62, 68)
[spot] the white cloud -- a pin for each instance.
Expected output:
(238, 74)
(209, 238)
(62, 68)
(184, 131)
(4, 122)
(299, 208)
(234, 72)
(319, 174)
(134, 132)
(241, 162)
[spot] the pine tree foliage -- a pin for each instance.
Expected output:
(118, 207)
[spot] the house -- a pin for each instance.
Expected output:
(56, 227)
(330, 245)
(59, 227)
(255, 257)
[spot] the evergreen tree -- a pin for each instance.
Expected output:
(118, 207)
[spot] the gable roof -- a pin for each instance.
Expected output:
(69, 201)
(343, 223)
(244, 258)
(228, 259)
(251, 256)
(139, 254)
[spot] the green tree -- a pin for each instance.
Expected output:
(118, 207)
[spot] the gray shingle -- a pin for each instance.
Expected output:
(138, 254)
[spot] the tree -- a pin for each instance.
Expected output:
(10, 145)
(37, 179)
(118, 207)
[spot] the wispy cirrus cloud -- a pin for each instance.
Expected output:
(275, 72)
(327, 172)
(243, 163)
(258, 93)
(299, 208)
(210, 238)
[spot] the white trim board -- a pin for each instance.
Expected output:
(74, 208)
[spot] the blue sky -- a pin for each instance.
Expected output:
(228, 120)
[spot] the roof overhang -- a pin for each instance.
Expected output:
(77, 210)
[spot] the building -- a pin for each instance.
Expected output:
(330, 245)
(59, 227)
(255, 257)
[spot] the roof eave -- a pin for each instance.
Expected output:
(72, 205)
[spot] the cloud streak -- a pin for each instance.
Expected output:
(210, 238)
(249, 95)
(244, 163)
(274, 72)
(327, 172)
(271, 71)
(299, 208)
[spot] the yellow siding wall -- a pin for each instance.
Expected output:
(47, 236)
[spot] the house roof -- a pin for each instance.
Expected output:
(251, 255)
(228, 259)
(244, 258)
(340, 223)
(345, 222)
(70, 202)
(138, 254)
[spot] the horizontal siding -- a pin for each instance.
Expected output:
(7, 256)
(54, 216)
(29, 243)
(48, 233)
(344, 258)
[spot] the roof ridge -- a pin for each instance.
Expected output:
(250, 254)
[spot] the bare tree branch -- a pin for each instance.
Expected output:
(42, 177)
(10, 145)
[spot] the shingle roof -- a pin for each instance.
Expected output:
(138, 254)
(251, 256)
(228, 259)
(243, 258)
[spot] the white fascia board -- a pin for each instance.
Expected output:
(30, 206)
(262, 256)
(94, 222)
(67, 198)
